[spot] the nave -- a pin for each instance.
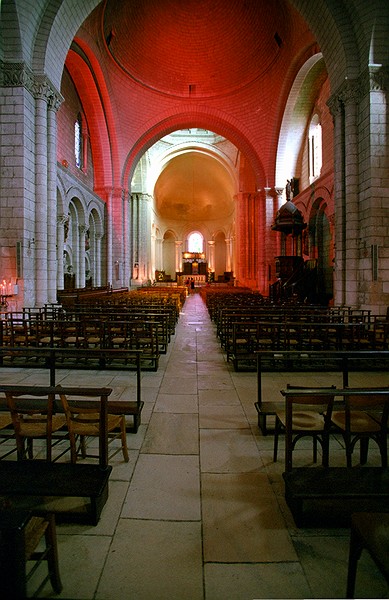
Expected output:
(199, 512)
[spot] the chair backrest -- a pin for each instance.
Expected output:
(32, 415)
(375, 404)
(318, 399)
(311, 399)
(94, 415)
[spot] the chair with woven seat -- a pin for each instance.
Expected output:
(20, 543)
(33, 418)
(307, 414)
(84, 421)
(364, 418)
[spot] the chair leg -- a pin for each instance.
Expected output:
(326, 450)
(354, 555)
(52, 556)
(30, 448)
(314, 449)
(83, 446)
(364, 449)
(124, 438)
(276, 434)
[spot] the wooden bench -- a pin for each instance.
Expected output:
(335, 359)
(74, 492)
(327, 497)
(51, 359)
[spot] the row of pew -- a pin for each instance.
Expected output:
(136, 321)
(246, 323)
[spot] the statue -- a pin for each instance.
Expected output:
(288, 190)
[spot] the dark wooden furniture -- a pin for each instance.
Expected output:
(38, 485)
(52, 358)
(327, 497)
(322, 359)
(369, 531)
(305, 415)
(20, 533)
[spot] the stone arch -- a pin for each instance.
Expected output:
(169, 252)
(295, 117)
(212, 120)
(95, 112)
(161, 160)
(11, 43)
(319, 246)
(93, 252)
(75, 243)
(57, 28)
(220, 253)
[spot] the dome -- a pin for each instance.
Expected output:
(195, 47)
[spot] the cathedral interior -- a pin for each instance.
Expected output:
(138, 136)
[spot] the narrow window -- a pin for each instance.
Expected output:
(78, 154)
(315, 149)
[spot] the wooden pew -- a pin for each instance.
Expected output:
(52, 357)
(60, 487)
(322, 360)
(327, 496)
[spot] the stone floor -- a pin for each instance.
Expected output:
(198, 513)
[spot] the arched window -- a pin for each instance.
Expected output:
(78, 153)
(315, 148)
(195, 242)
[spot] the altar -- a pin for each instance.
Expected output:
(198, 279)
(194, 264)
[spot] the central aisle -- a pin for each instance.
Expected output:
(200, 518)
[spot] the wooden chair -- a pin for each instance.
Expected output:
(369, 531)
(33, 418)
(84, 420)
(365, 417)
(20, 537)
(306, 414)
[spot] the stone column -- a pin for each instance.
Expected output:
(178, 256)
(211, 255)
(61, 220)
(228, 242)
(343, 107)
(141, 235)
(97, 265)
(53, 263)
(350, 98)
(80, 276)
(41, 202)
(278, 201)
(46, 102)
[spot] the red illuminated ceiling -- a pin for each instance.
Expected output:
(196, 47)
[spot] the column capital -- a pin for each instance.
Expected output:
(348, 93)
(378, 78)
(62, 219)
(39, 85)
(279, 191)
